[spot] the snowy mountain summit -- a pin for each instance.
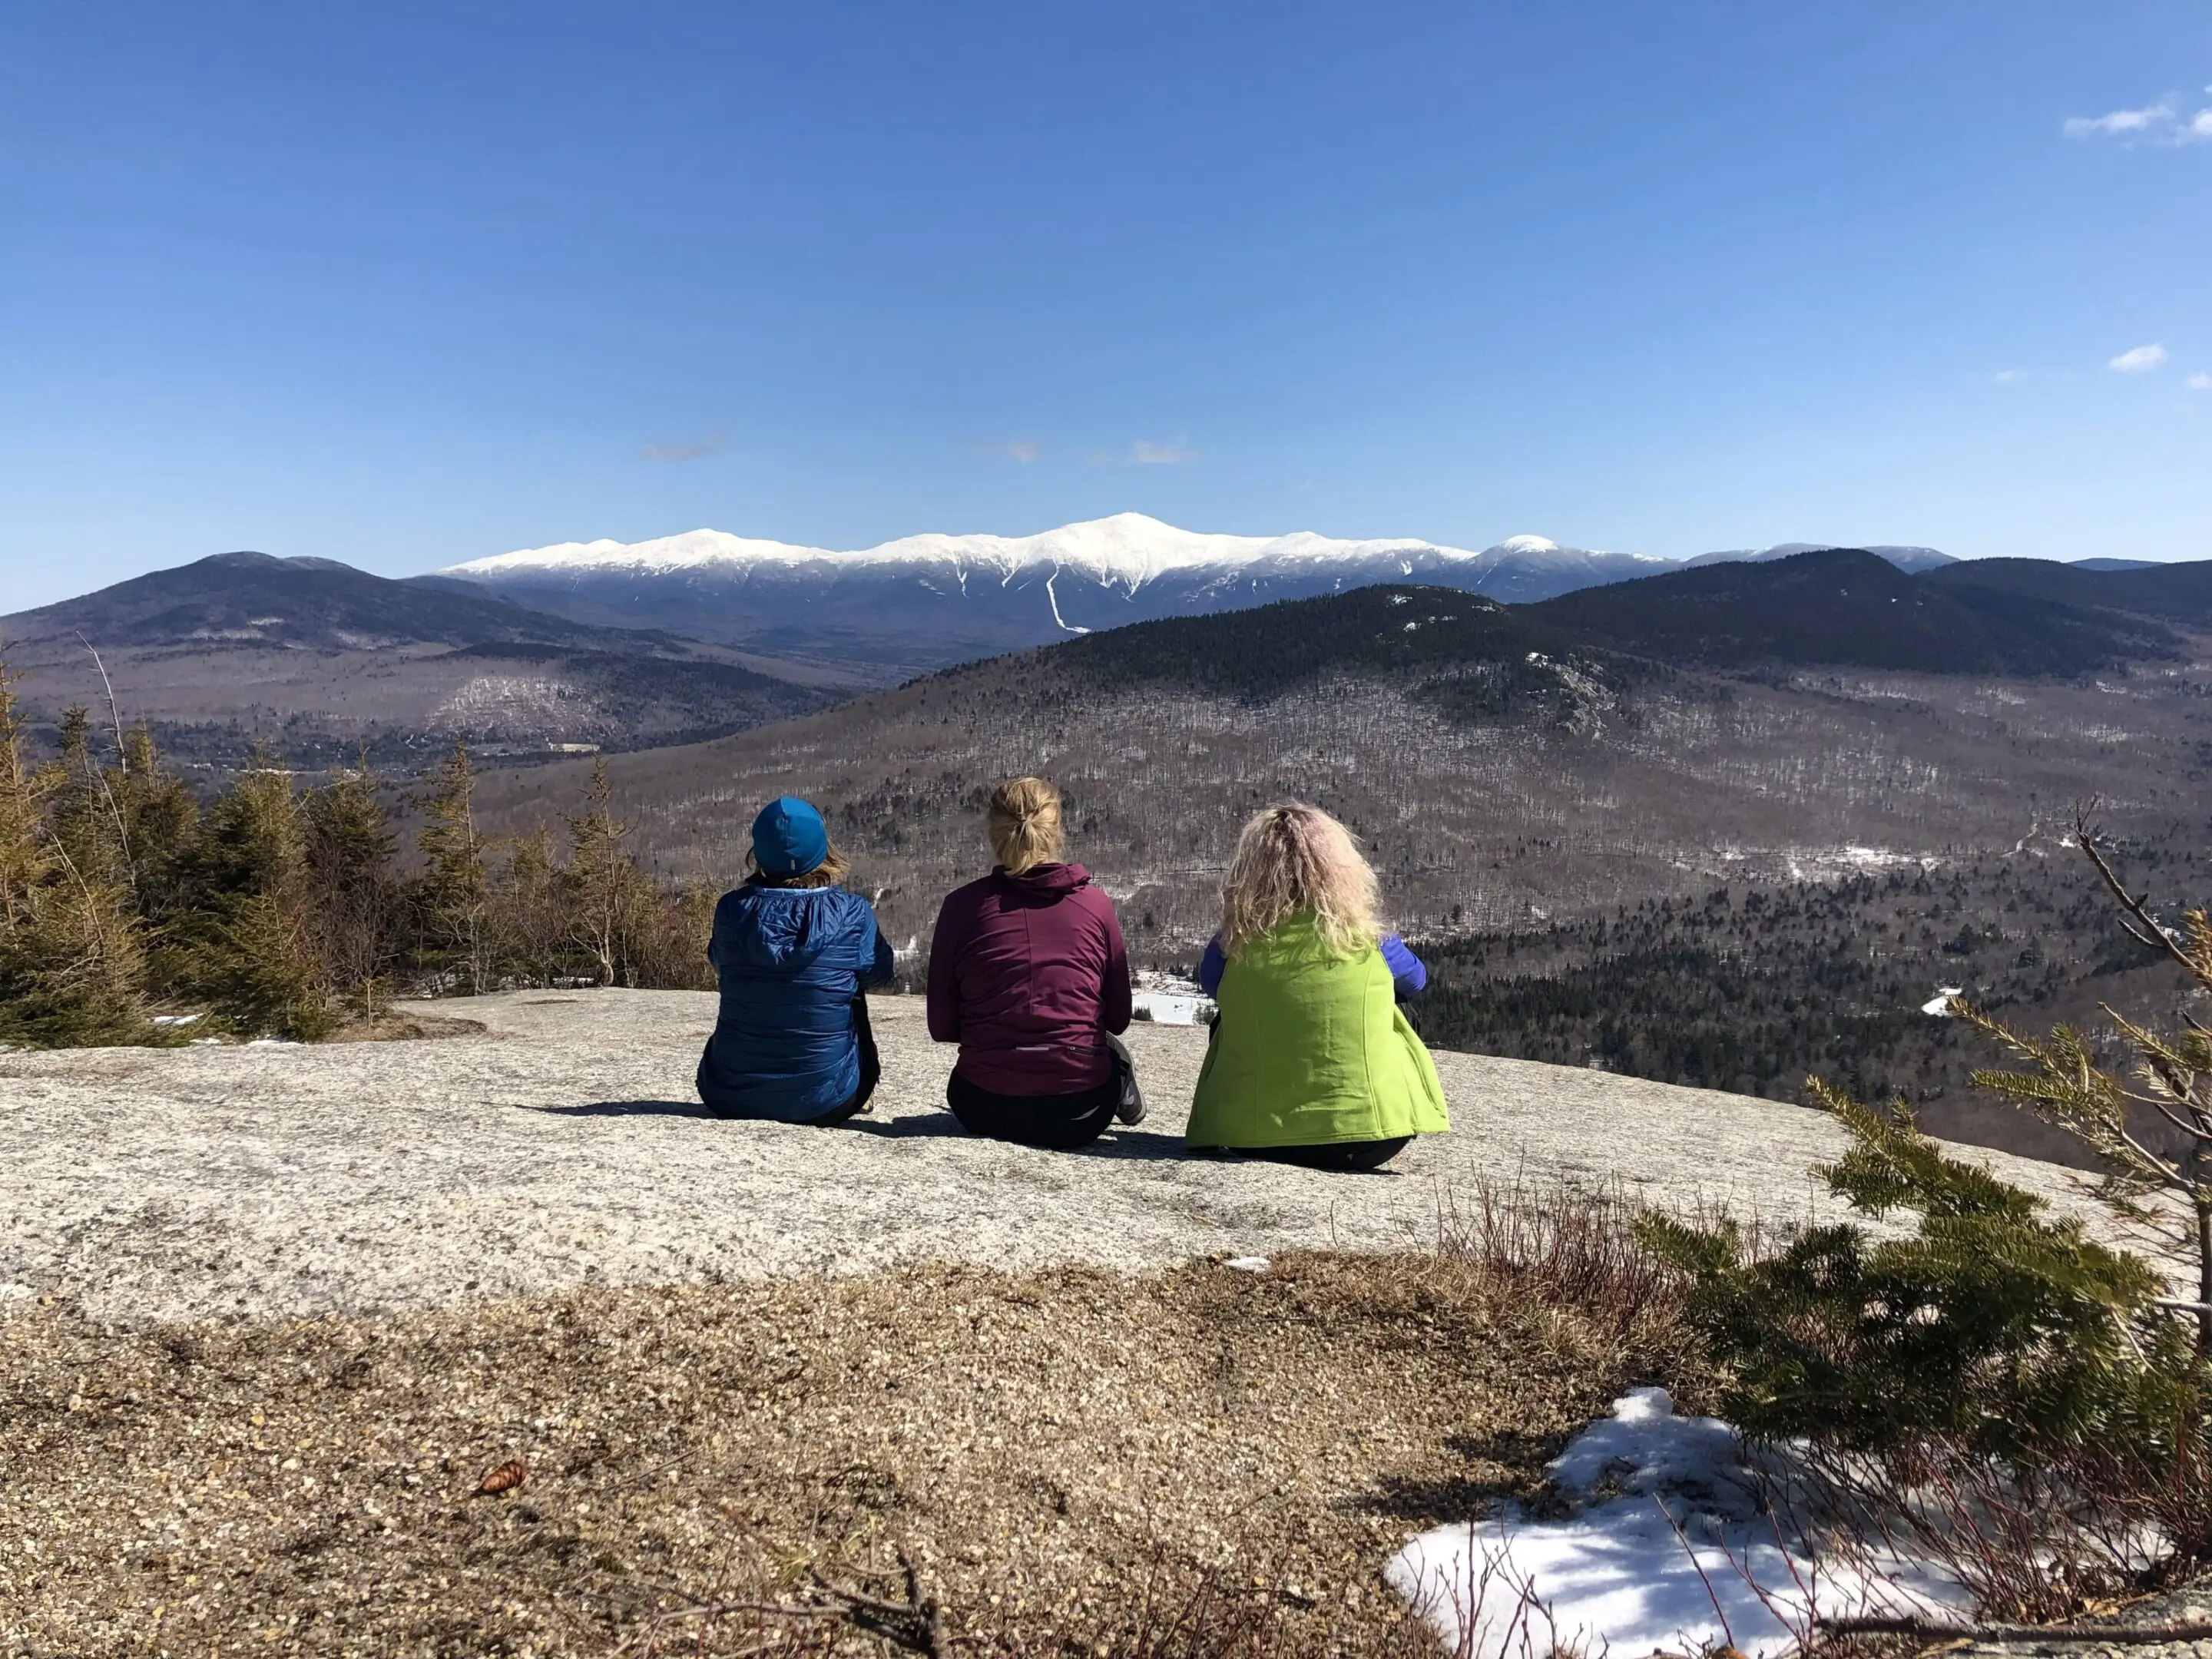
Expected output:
(930, 599)
(1126, 552)
(939, 598)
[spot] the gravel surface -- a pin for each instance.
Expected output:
(563, 1147)
(1065, 1456)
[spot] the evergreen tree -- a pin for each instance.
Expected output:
(23, 858)
(453, 896)
(82, 810)
(244, 942)
(2172, 1085)
(349, 846)
(530, 911)
(1992, 1327)
(160, 818)
(601, 881)
(71, 965)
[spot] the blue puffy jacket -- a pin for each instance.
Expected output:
(791, 960)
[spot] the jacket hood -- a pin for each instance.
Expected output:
(784, 927)
(1045, 881)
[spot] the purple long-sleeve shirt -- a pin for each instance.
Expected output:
(1408, 974)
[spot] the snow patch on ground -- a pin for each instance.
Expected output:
(1663, 1549)
(1169, 999)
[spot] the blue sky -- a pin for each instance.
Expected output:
(405, 284)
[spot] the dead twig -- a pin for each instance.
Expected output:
(1926, 1630)
(2144, 928)
(916, 1624)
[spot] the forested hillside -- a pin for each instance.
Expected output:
(1846, 607)
(2171, 592)
(1750, 988)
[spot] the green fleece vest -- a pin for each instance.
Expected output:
(1310, 1050)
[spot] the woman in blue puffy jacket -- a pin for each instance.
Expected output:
(794, 952)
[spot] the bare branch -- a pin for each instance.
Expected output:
(2085, 838)
(114, 714)
(1929, 1631)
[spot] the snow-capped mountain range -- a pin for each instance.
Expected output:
(936, 599)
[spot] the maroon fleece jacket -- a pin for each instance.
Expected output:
(1027, 974)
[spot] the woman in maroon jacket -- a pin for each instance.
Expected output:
(1028, 974)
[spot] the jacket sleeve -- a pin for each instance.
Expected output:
(1114, 1003)
(1211, 966)
(715, 937)
(872, 963)
(944, 975)
(1407, 972)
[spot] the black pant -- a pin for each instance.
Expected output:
(1340, 1155)
(1059, 1122)
(872, 1072)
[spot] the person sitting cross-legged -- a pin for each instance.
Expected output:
(1028, 975)
(795, 953)
(1311, 1061)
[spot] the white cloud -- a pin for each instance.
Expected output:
(1177, 453)
(2200, 382)
(2009, 376)
(2120, 122)
(1014, 449)
(2161, 122)
(2140, 361)
(706, 446)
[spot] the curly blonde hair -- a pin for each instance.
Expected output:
(1295, 858)
(1024, 825)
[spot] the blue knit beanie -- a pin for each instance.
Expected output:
(789, 838)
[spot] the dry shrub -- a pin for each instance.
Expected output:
(1577, 1251)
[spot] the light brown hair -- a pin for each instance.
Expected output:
(831, 873)
(1295, 858)
(1024, 825)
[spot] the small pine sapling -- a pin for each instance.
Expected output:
(2166, 1188)
(1992, 1327)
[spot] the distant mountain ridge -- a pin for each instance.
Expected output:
(1912, 560)
(311, 659)
(1847, 607)
(258, 600)
(1831, 608)
(934, 600)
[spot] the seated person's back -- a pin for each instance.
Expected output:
(1028, 975)
(793, 951)
(1311, 1060)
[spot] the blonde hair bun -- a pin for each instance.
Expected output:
(1023, 821)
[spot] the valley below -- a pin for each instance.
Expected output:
(1724, 827)
(1723, 881)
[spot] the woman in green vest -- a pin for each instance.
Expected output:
(1310, 1062)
